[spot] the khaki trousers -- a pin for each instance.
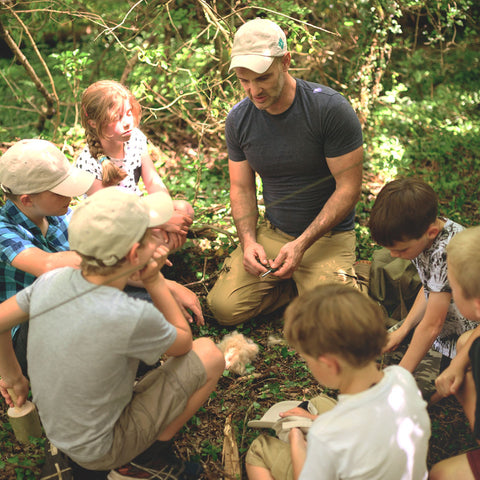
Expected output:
(238, 296)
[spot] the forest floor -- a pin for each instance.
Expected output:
(277, 374)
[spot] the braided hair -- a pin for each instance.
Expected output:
(102, 102)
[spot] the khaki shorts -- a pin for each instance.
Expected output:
(273, 454)
(158, 398)
(238, 296)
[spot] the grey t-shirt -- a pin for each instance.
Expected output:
(84, 346)
(289, 152)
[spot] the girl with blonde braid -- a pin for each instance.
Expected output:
(116, 151)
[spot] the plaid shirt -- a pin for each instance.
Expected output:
(17, 233)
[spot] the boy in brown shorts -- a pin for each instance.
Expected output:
(82, 373)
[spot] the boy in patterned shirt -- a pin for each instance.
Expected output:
(405, 220)
(38, 183)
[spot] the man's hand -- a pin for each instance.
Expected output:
(255, 259)
(288, 259)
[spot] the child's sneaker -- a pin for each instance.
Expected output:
(159, 462)
(162, 471)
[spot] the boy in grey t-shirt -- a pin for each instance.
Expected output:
(82, 373)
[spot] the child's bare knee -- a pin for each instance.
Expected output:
(184, 207)
(210, 355)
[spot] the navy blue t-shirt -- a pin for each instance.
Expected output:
(289, 152)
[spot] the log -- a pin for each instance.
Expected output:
(24, 420)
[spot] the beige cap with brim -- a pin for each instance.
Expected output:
(34, 166)
(256, 44)
(108, 223)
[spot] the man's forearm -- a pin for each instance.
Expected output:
(245, 216)
(337, 207)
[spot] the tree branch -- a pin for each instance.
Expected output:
(50, 99)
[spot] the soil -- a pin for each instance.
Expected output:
(277, 373)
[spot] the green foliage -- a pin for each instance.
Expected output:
(410, 69)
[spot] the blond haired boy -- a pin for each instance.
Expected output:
(379, 428)
(462, 377)
(82, 372)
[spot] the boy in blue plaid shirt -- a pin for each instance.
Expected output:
(38, 182)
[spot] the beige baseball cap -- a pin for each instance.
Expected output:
(35, 166)
(107, 224)
(256, 44)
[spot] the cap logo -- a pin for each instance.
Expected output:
(281, 43)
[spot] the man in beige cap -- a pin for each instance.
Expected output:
(38, 182)
(305, 142)
(82, 373)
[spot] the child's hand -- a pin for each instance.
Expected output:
(161, 255)
(450, 380)
(178, 223)
(149, 273)
(151, 270)
(169, 239)
(394, 339)
(298, 412)
(19, 388)
(160, 235)
(188, 302)
(175, 240)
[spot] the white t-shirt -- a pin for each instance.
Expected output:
(379, 434)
